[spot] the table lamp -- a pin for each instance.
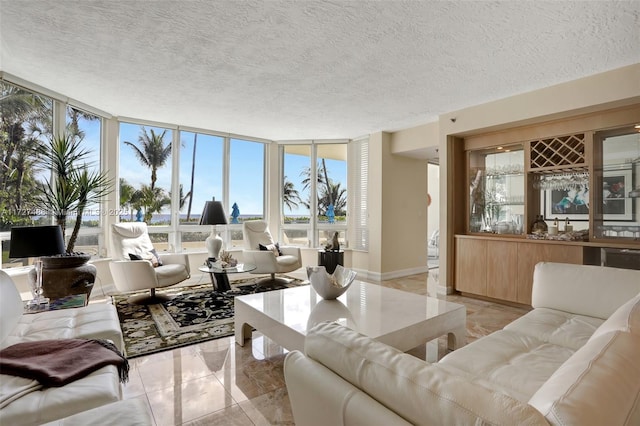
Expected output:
(36, 241)
(213, 214)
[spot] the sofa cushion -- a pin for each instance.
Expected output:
(513, 363)
(626, 318)
(128, 412)
(598, 385)
(557, 327)
(40, 406)
(422, 393)
(98, 321)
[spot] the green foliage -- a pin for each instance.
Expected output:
(152, 152)
(72, 185)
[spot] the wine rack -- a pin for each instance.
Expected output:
(558, 153)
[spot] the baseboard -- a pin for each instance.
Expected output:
(377, 276)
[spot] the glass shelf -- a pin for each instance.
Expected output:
(616, 212)
(497, 190)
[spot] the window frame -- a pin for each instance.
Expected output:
(314, 227)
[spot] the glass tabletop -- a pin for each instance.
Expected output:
(240, 267)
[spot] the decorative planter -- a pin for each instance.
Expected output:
(66, 275)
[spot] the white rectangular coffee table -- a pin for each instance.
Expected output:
(397, 318)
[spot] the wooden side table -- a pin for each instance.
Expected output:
(330, 259)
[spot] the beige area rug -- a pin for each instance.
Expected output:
(194, 314)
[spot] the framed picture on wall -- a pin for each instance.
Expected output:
(574, 203)
(616, 184)
(567, 203)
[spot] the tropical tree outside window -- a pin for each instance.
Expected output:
(86, 128)
(145, 173)
(26, 120)
(201, 159)
(331, 188)
(295, 193)
(319, 169)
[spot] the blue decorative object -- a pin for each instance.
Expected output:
(331, 214)
(139, 215)
(235, 212)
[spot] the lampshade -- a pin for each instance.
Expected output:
(36, 241)
(213, 214)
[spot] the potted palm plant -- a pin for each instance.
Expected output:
(70, 187)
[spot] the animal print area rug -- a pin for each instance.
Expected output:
(195, 314)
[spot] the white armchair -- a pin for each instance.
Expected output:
(131, 275)
(256, 232)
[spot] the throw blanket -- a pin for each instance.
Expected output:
(55, 363)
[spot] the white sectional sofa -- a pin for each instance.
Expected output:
(34, 407)
(573, 360)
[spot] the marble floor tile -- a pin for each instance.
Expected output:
(160, 373)
(221, 383)
(229, 416)
(188, 400)
(272, 408)
(134, 387)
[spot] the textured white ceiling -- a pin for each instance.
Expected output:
(308, 69)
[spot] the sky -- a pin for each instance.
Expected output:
(246, 170)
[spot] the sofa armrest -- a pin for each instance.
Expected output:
(318, 397)
(593, 291)
(423, 393)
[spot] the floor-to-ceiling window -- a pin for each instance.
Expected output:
(87, 128)
(314, 193)
(331, 190)
(145, 178)
(296, 194)
(246, 186)
(201, 180)
(26, 120)
(165, 173)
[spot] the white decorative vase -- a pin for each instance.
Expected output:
(330, 286)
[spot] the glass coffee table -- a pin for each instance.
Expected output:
(397, 318)
(220, 276)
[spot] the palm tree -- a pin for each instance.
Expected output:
(290, 195)
(152, 152)
(182, 197)
(322, 178)
(153, 200)
(330, 192)
(126, 195)
(193, 171)
(337, 196)
(25, 118)
(92, 186)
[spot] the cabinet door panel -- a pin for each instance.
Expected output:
(471, 266)
(531, 253)
(502, 270)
